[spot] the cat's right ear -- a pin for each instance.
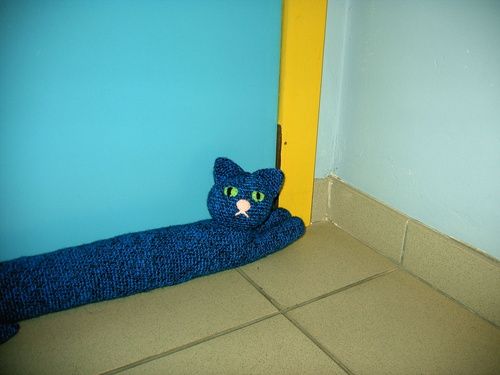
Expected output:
(225, 168)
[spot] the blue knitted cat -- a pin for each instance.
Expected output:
(243, 228)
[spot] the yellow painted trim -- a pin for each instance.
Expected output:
(303, 33)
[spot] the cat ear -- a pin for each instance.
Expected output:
(272, 178)
(225, 168)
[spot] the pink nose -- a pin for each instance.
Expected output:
(243, 205)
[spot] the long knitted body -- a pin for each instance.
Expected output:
(132, 263)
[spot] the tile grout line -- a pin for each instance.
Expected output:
(371, 247)
(337, 361)
(188, 345)
(261, 290)
(401, 267)
(455, 241)
(403, 245)
(339, 290)
(329, 199)
(452, 299)
(281, 311)
(285, 310)
(462, 246)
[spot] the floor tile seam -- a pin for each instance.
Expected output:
(281, 311)
(188, 345)
(403, 244)
(339, 290)
(318, 344)
(284, 309)
(451, 298)
(396, 263)
(456, 243)
(401, 267)
(261, 290)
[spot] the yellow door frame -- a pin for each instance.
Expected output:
(302, 41)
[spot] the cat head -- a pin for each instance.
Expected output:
(242, 199)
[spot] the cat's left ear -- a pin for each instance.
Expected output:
(225, 168)
(272, 178)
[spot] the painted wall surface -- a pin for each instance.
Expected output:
(418, 125)
(112, 112)
(332, 81)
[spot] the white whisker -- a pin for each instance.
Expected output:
(241, 213)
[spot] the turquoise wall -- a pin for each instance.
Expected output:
(410, 110)
(112, 112)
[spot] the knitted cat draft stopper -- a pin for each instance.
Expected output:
(243, 228)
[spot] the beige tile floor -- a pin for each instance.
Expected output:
(325, 305)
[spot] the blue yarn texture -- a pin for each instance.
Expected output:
(244, 227)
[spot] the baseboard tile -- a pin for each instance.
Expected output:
(458, 270)
(461, 272)
(321, 193)
(367, 219)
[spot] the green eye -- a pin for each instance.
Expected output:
(231, 191)
(257, 196)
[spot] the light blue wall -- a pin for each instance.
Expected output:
(112, 112)
(337, 24)
(418, 124)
